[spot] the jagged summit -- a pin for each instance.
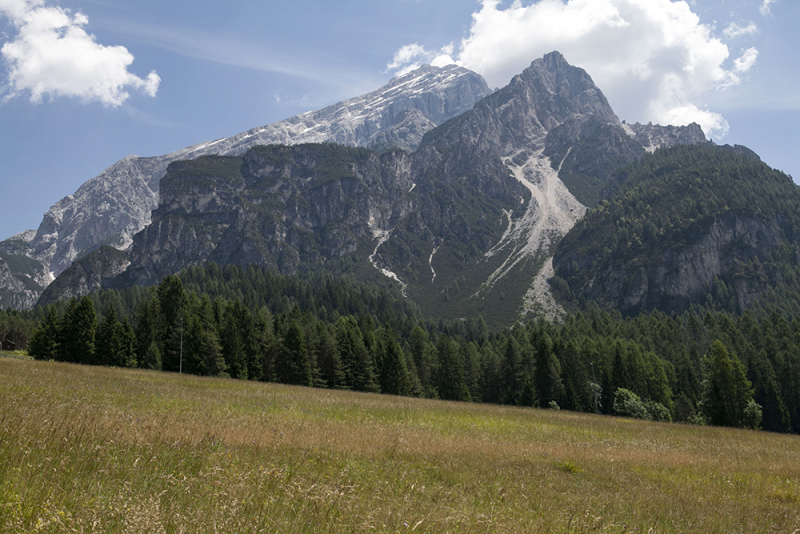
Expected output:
(540, 98)
(112, 207)
(465, 219)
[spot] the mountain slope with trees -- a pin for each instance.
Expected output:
(700, 225)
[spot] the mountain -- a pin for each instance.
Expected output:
(22, 278)
(86, 274)
(466, 224)
(692, 225)
(110, 208)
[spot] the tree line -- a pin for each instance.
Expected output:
(715, 368)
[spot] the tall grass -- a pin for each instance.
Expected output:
(89, 449)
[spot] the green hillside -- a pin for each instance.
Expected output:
(723, 224)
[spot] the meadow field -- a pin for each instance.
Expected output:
(92, 449)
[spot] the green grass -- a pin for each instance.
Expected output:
(94, 449)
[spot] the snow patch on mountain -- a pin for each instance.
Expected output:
(112, 207)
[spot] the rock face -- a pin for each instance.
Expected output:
(684, 276)
(652, 136)
(585, 151)
(112, 207)
(464, 224)
(474, 211)
(701, 225)
(86, 275)
(22, 279)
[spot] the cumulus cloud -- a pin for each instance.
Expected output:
(653, 59)
(52, 55)
(413, 56)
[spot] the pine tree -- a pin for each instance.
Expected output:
(547, 375)
(327, 356)
(356, 361)
(515, 379)
(172, 300)
(110, 348)
(451, 382)
(295, 367)
(420, 353)
(152, 357)
(576, 394)
(233, 337)
(393, 372)
(149, 328)
(79, 327)
(44, 343)
(728, 391)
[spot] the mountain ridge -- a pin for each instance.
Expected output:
(129, 187)
(464, 224)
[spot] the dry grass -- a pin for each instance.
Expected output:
(85, 449)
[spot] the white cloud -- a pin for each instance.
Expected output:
(765, 7)
(413, 56)
(734, 30)
(53, 56)
(653, 59)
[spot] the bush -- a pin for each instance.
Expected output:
(658, 412)
(628, 404)
(752, 415)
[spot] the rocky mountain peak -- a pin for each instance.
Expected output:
(110, 208)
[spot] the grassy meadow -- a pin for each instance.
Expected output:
(91, 449)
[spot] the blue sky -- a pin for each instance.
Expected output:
(83, 83)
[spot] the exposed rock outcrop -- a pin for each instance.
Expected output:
(684, 276)
(86, 275)
(112, 207)
(22, 279)
(652, 136)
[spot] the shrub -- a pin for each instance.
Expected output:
(752, 415)
(628, 404)
(658, 412)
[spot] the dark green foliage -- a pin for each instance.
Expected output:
(78, 332)
(577, 393)
(115, 342)
(152, 357)
(294, 366)
(728, 391)
(451, 376)
(202, 347)
(356, 361)
(171, 300)
(658, 358)
(394, 377)
(18, 326)
(44, 344)
(547, 376)
(668, 202)
(516, 384)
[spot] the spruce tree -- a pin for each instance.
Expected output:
(110, 347)
(728, 391)
(79, 328)
(451, 380)
(44, 343)
(393, 372)
(295, 367)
